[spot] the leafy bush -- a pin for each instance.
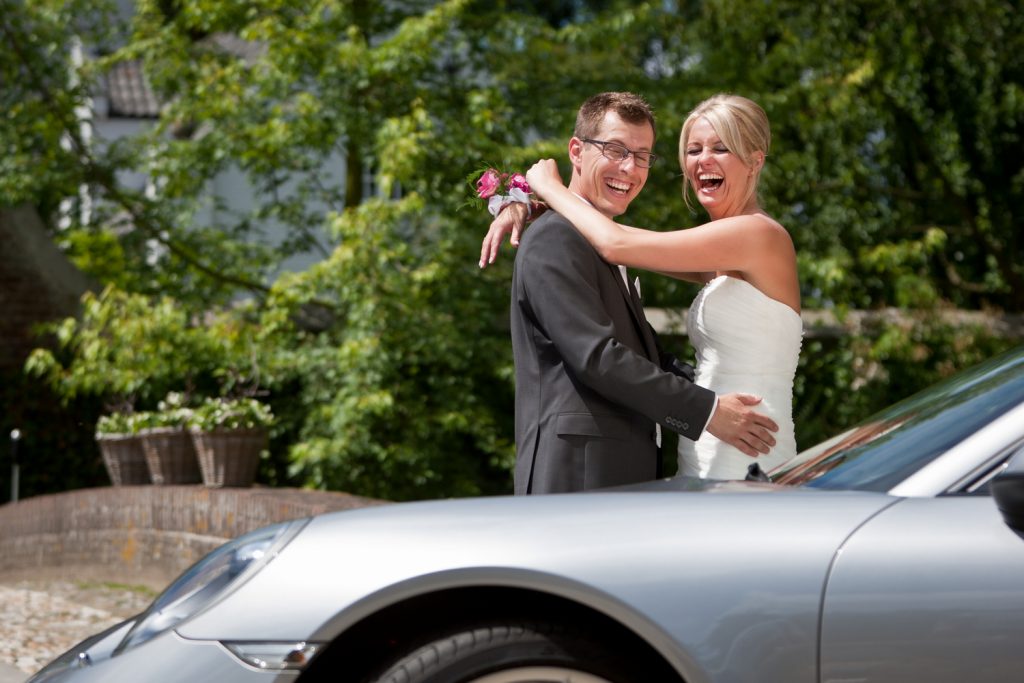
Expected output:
(406, 392)
(843, 381)
(115, 423)
(127, 349)
(222, 413)
(172, 412)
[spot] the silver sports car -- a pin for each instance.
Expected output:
(893, 552)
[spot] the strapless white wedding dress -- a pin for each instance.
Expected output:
(746, 342)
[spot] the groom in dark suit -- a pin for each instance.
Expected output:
(592, 386)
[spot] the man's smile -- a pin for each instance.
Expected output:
(618, 186)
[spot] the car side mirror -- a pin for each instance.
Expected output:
(1008, 491)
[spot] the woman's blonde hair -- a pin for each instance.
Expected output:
(740, 123)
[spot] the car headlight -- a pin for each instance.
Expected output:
(274, 656)
(209, 579)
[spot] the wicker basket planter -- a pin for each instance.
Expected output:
(170, 455)
(229, 457)
(124, 459)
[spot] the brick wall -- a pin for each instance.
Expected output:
(142, 534)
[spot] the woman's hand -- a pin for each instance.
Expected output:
(510, 220)
(543, 176)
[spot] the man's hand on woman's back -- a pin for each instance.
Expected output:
(739, 425)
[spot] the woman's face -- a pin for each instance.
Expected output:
(719, 178)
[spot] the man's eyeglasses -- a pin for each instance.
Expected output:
(617, 152)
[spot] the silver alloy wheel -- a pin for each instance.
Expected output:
(540, 674)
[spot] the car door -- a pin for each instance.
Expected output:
(930, 589)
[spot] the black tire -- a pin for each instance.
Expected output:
(519, 652)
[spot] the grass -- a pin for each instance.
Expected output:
(145, 591)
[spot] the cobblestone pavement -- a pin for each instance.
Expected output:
(41, 619)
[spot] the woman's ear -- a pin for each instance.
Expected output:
(757, 162)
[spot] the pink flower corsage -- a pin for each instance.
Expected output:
(501, 189)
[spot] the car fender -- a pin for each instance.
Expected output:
(699, 577)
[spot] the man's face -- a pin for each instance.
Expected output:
(610, 185)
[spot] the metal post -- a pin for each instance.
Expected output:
(15, 437)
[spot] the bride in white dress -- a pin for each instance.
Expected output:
(745, 324)
(745, 342)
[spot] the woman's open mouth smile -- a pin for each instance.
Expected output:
(709, 182)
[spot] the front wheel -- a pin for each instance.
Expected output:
(540, 674)
(522, 652)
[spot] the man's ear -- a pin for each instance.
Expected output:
(576, 154)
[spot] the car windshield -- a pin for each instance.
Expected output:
(884, 450)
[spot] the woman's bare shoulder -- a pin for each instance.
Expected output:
(767, 227)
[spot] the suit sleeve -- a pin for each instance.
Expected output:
(560, 289)
(671, 363)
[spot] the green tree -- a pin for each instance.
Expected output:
(894, 165)
(373, 84)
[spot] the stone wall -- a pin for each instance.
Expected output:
(142, 534)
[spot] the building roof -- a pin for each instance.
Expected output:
(129, 94)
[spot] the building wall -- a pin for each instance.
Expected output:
(230, 195)
(37, 283)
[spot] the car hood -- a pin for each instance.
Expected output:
(714, 548)
(695, 485)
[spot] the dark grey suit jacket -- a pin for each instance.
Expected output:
(590, 382)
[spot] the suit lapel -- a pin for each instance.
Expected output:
(636, 309)
(645, 328)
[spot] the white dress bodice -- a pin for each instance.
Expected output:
(750, 343)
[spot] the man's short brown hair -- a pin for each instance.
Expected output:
(630, 107)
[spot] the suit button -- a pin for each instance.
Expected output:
(686, 425)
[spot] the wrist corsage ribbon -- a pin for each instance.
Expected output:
(501, 189)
